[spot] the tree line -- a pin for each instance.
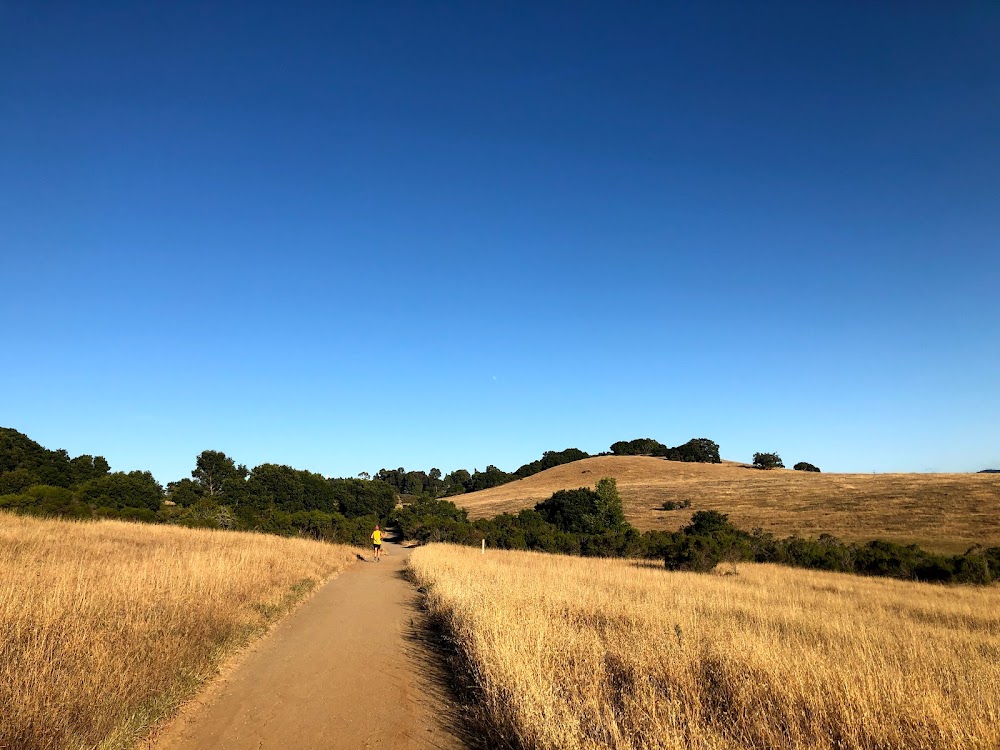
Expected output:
(222, 494)
(279, 499)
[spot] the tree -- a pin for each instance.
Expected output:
(213, 468)
(492, 477)
(639, 447)
(709, 539)
(88, 467)
(455, 482)
(17, 480)
(611, 515)
(278, 485)
(357, 497)
(767, 461)
(585, 511)
(137, 489)
(550, 459)
(184, 492)
(696, 450)
(804, 466)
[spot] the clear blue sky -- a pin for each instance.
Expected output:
(452, 234)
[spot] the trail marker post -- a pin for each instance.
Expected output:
(484, 546)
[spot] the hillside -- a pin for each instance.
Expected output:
(941, 512)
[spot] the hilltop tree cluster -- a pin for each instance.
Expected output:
(696, 450)
(461, 481)
(773, 461)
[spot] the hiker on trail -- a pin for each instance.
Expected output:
(377, 542)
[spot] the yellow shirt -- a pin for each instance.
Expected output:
(377, 536)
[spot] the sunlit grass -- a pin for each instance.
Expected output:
(106, 626)
(585, 653)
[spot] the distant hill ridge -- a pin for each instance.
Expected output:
(943, 512)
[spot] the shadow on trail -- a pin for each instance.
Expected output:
(450, 686)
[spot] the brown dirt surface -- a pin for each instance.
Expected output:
(351, 668)
(941, 512)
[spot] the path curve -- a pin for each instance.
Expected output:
(348, 669)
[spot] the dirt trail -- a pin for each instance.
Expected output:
(349, 669)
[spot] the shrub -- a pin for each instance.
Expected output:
(676, 504)
(709, 539)
(805, 466)
(767, 461)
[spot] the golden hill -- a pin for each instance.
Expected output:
(941, 512)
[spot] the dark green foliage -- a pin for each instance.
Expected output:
(87, 467)
(45, 500)
(709, 539)
(34, 464)
(549, 460)
(185, 492)
(277, 485)
(767, 461)
(696, 450)
(214, 471)
(638, 447)
(492, 477)
(585, 511)
(136, 489)
(676, 504)
(18, 480)
(597, 511)
(357, 497)
(805, 466)
(142, 515)
(455, 482)
(414, 518)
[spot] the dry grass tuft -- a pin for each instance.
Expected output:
(583, 653)
(945, 513)
(107, 626)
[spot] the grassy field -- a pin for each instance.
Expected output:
(584, 653)
(107, 626)
(940, 512)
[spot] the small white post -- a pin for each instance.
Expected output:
(484, 546)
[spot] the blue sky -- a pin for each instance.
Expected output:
(454, 234)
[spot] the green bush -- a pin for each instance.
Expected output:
(143, 515)
(676, 504)
(805, 466)
(585, 511)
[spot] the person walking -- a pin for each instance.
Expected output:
(377, 543)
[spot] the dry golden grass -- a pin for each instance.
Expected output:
(107, 626)
(583, 653)
(941, 512)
